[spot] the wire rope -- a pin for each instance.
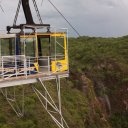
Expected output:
(64, 18)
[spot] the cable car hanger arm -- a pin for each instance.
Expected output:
(28, 16)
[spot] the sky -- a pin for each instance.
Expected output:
(100, 18)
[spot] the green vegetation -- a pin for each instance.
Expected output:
(74, 109)
(95, 95)
(105, 62)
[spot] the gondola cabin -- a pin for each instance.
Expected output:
(32, 55)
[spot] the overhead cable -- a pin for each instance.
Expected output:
(64, 18)
(42, 2)
(1, 7)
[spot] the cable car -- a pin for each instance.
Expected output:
(32, 52)
(26, 54)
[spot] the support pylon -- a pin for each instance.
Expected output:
(12, 100)
(49, 104)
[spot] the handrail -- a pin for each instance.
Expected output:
(20, 65)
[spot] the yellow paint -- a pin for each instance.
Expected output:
(36, 66)
(56, 68)
(52, 34)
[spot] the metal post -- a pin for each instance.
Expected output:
(59, 96)
(2, 68)
(67, 51)
(16, 65)
(48, 65)
(55, 51)
(29, 66)
(25, 67)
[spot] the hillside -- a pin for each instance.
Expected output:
(95, 95)
(105, 62)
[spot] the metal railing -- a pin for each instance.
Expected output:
(11, 66)
(21, 65)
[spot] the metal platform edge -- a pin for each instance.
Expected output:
(19, 82)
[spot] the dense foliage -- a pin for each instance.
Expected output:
(105, 62)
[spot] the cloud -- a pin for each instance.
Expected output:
(109, 3)
(90, 17)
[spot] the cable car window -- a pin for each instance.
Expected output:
(19, 46)
(29, 46)
(52, 40)
(51, 46)
(60, 46)
(44, 46)
(7, 46)
(57, 47)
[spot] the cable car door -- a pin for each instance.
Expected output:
(44, 53)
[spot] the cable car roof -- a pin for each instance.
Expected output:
(7, 36)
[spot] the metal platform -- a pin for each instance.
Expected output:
(20, 70)
(22, 80)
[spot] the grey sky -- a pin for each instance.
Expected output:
(89, 17)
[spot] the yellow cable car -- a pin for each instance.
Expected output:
(33, 53)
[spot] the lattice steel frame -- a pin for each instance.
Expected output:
(60, 121)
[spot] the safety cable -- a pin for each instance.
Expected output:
(42, 2)
(37, 12)
(17, 12)
(1, 7)
(64, 18)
